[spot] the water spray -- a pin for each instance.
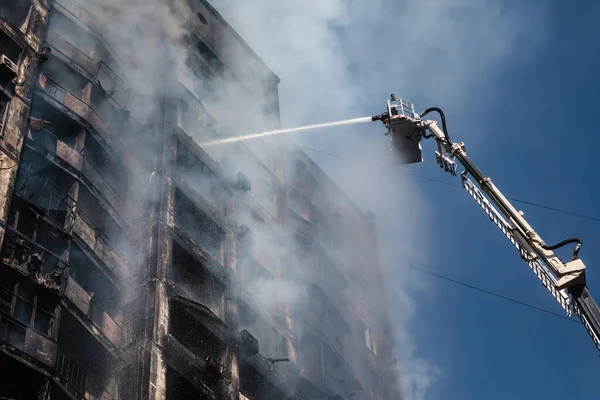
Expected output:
(290, 130)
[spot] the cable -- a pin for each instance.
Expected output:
(442, 116)
(564, 243)
(495, 294)
(559, 210)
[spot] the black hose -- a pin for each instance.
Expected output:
(564, 243)
(442, 116)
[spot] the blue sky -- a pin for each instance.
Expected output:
(519, 83)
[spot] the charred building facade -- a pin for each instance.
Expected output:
(137, 263)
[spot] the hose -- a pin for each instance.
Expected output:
(442, 116)
(564, 243)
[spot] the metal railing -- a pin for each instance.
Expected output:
(36, 189)
(78, 380)
(71, 51)
(72, 375)
(26, 255)
(49, 141)
(51, 194)
(77, 11)
(12, 332)
(113, 85)
(50, 145)
(58, 93)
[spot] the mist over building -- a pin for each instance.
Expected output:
(137, 264)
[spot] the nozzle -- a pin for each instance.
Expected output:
(381, 117)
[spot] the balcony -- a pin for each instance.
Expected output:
(15, 11)
(183, 366)
(103, 185)
(46, 197)
(275, 382)
(194, 119)
(196, 225)
(317, 323)
(33, 260)
(299, 223)
(76, 10)
(50, 201)
(78, 381)
(98, 319)
(80, 108)
(25, 339)
(205, 192)
(328, 305)
(331, 268)
(102, 247)
(76, 58)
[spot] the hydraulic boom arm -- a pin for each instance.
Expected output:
(565, 281)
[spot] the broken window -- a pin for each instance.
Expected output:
(198, 226)
(22, 299)
(15, 10)
(195, 281)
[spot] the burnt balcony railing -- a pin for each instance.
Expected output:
(78, 380)
(73, 376)
(37, 190)
(78, 57)
(27, 340)
(49, 141)
(12, 332)
(78, 11)
(113, 85)
(78, 106)
(33, 260)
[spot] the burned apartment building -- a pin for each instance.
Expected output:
(138, 264)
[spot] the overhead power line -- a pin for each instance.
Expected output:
(522, 303)
(530, 203)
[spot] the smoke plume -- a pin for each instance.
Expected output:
(336, 60)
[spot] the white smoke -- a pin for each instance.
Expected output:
(337, 60)
(342, 59)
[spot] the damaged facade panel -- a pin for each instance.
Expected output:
(136, 264)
